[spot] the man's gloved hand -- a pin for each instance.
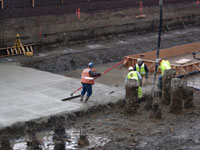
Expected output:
(99, 74)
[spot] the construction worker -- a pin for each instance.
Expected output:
(163, 65)
(134, 75)
(142, 68)
(18, 45)
(87, 80)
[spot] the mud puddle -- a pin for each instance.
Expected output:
(71, 141)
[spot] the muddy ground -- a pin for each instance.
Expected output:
(138, 132)
(109, 128)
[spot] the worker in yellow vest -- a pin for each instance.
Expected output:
(134, 75)
(163, 65)
(87, 80)
(18, 45)
(142, 68)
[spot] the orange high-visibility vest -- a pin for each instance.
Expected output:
(86, 78)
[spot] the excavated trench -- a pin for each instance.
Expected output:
(62, 59)
(107, 127)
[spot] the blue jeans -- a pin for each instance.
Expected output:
(86, 88)
(160, 82)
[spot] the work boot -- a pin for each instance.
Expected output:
(81, 98)
(86, 99)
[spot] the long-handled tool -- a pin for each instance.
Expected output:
(159, 41)
(72, 97)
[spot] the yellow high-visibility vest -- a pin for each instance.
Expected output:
(164, 65)
(133, 75)
(140, 69)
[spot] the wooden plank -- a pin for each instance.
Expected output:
(33, 3)
(12, 51)
(8, 52)
(150, 66)
(183, 61)
(31, 48)
(197, 67)
(185, 72)
(27, 49)
(15, 51)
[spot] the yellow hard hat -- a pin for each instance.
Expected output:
(17, 35)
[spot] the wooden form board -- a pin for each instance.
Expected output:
(149, 58)
(180, 69)
(11, 51)
(170, 52)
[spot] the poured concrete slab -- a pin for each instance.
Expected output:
(28, 94)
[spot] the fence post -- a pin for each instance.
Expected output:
(2, 7)
(33, 3)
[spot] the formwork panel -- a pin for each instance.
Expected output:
(176, 51)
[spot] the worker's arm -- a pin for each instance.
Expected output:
(94, 74)
(134, 68)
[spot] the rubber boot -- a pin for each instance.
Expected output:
(81, 98)
(86, 99)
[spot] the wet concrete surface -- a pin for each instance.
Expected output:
(29, 94)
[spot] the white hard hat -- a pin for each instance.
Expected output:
(130, 68)
(158, 60)
(139, 60)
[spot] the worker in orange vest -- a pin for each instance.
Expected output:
(87, 80)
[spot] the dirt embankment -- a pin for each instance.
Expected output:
(111, 50)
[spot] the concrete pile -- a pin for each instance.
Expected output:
(131, 96)
(33, 143)
(181, 96)
(166, 85)
(60, 135)
(5, 143)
